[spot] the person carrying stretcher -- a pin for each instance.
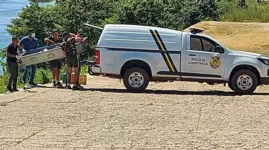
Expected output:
(55, 65)
(72, 60)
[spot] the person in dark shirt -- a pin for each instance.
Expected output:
(69, 49)
(12, 66)
(55, 65)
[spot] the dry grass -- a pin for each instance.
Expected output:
(252, 37)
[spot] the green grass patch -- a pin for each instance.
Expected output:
(254, 12)
(43, 76)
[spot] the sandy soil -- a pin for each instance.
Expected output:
(176, 115)
(251, 37)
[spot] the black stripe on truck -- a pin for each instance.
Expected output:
(165, 49)
(188, 74)
(159, 42)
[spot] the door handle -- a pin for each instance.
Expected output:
(191, 55)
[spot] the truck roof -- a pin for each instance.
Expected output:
(137, 27)
(139, 37)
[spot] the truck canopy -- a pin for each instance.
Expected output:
(139, 37)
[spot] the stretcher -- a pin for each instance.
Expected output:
(81, 47)
(42, 54)
(49, 53)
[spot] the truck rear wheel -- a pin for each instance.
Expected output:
(230, 85)
(244, 82)
(136, 79)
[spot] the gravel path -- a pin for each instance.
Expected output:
(176, 115)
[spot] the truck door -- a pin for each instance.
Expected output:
(205, 59)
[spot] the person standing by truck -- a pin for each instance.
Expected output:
(79, 37)
(72, 61)
(12, 66)
(55, 65)
(28, 43)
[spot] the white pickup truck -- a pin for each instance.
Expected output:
(140, 54)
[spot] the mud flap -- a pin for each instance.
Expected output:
(91, 64)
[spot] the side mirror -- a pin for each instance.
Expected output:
(219, 49)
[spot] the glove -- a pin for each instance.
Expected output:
(18, 56)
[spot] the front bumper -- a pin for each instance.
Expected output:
(93, 69)
(265, 80)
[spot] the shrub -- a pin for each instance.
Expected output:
(253, 13)
(42, 77)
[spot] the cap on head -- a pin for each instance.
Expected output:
(54, 30)
(65, 34)
(15, 38)
(31, 30)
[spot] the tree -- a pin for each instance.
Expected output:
(65, 15)
(242, 3)
(169, 14)
(43, 20)
(70, 15)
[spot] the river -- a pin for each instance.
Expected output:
(9, 9)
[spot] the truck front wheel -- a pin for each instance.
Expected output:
(136, 79)
(244, 82)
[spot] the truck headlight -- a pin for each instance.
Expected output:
(264, 60)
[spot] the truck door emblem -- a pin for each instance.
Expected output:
(215, 62)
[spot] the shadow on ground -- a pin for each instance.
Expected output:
(173, 92)
(168, 92)
(39, 86)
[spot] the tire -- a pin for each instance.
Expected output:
(244, 82)
(136, 79)
(230, 85)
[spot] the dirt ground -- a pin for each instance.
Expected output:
(176, 115)
(238, 35)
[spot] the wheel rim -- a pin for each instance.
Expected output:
(136, 79)
(244, 82)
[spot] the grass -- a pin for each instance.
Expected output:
(253, 13)
(251, 37)
(42, 77)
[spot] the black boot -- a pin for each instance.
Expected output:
(33, 83)
(59, 85)
(15, 90)
(9, 89)
(54, 83)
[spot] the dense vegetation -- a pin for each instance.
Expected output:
(175, 14)
(71, 14)
(254, 11)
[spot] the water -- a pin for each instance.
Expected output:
(9, 9)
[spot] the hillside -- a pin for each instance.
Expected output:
(253, 37)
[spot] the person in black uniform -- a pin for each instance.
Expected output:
(55, 65)
(12, 65)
